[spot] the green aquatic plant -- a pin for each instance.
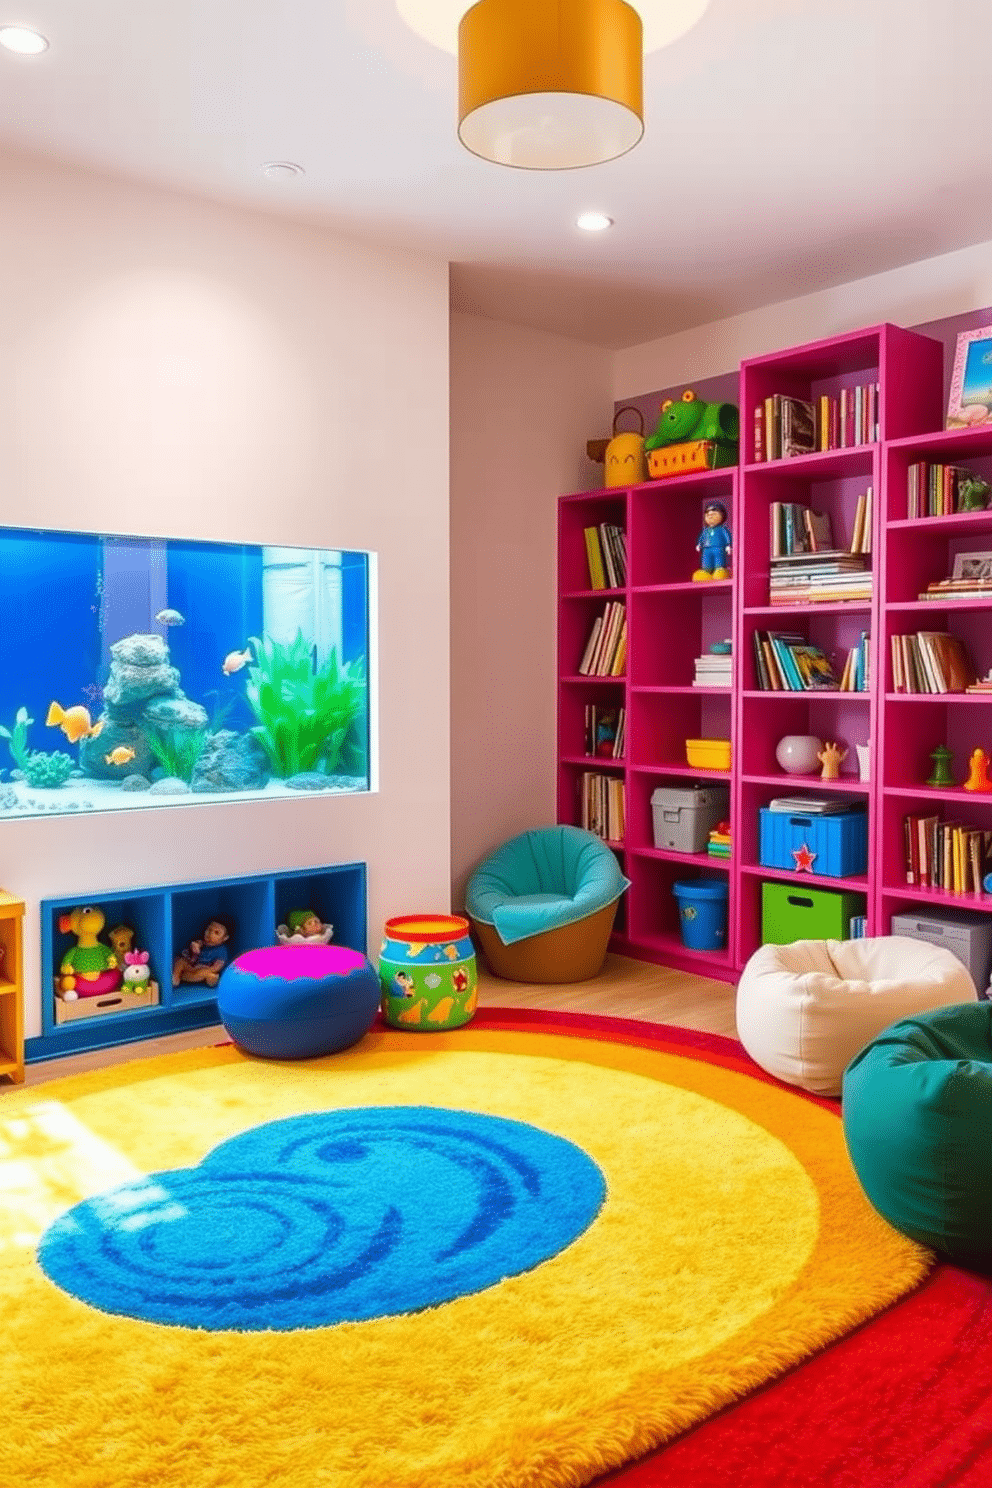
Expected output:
(47, 771)
(17, 738)
(304, 714)
(177, 750)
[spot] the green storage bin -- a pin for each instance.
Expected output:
(791, 911)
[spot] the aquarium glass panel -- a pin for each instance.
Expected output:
(141, 672)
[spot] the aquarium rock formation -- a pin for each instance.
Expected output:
(231, 762)
(141, 698)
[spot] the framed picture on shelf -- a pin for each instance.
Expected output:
(973, 566)
(970, 398)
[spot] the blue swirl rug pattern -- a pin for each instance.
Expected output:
(343, 1215)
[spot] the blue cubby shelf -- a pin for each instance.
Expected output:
(165, 918)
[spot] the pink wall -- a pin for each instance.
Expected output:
(175, 367)
(523, 404)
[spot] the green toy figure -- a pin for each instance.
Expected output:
(690, 419)
(715, 543)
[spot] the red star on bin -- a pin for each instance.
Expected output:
(804, 859)
(459, 980)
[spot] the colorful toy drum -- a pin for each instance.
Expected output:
(427, 972)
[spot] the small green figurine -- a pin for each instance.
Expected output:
(693, 418)
(942, 773)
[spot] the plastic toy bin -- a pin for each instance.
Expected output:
(838, 842)
(795, 912)
(702, 906)
(966, 933)
(682, 817)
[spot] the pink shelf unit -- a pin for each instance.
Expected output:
(907, 369)
(918, 551)
(672, 620)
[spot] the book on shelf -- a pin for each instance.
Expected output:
(952, 856)
(934, 490)
(855, 675)
(606, 554)
(594, 557)
(605, 652)
(785, 426)
(602, 807)
(798, 428)
(931, 661)
(861, 534)
(791, 663)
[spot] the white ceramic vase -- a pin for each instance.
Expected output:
(797, 753)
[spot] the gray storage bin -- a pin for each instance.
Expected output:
(684, 816)
(967, 934)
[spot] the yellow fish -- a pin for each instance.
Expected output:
(122, 755)
(75, 723)
(235, 660)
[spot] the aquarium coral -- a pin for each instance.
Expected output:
(304, 714)
(48, 770)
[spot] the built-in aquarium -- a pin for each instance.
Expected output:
(141, 672)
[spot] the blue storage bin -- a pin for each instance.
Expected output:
(702, 906)
(839, 841)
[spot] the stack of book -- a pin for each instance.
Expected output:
(809, 805)
(713, 671)
(946, 855)
(791, 663)
(984, 684)
(832, 577)
(605, 730)
(605, 654)
(941, 490)
(603, 810)
(785, 426)
(606, 551)
(931, 661)
(973, 588)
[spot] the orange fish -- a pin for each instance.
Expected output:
(235, 660)
(122, 755)
(75, 723)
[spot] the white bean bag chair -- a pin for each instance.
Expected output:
(805, 1010)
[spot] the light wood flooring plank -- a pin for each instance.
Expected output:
(624, 989)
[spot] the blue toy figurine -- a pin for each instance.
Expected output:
(715, 543)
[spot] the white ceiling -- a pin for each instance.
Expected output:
(790, 145)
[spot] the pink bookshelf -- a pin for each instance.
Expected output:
(673, 620)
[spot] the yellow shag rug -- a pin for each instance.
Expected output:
(734, 1241)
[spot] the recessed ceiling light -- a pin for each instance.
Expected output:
(282, 170)
(594, 222)
(20, 39)
(664, 21)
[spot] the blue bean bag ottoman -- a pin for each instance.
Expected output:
(917, 1111)
(298, 1001)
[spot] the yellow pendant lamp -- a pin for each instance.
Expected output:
(550, 84)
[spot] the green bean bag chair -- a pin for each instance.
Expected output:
(542, 905)
(917, 1112)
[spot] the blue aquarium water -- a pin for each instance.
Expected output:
(142, 671)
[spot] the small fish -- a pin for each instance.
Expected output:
(235, 660)
(170, 617)
(122, 755)
(75, 723)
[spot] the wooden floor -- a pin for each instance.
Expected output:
(623, 989)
